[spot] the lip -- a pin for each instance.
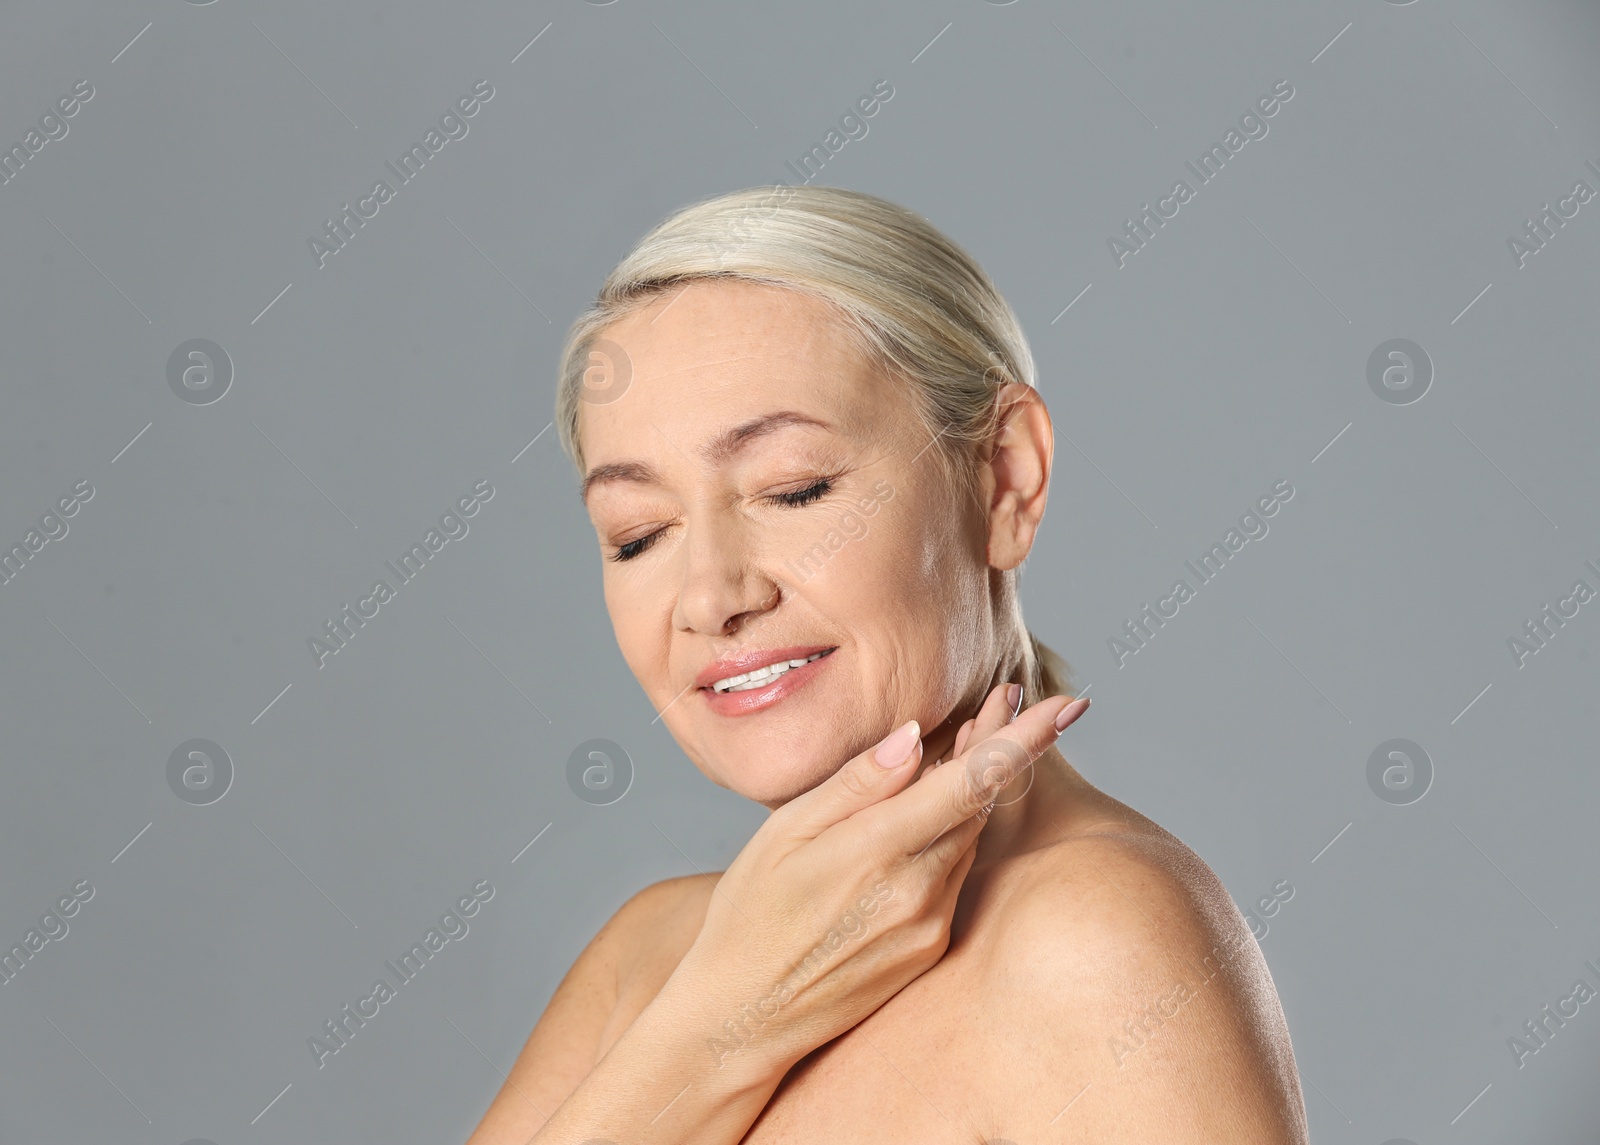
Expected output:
(756, 699)
(749, 661)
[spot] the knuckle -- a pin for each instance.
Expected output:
(964, 803)
(936, 857)
(855, 780)
(933, 936)
(877, 839)
(890, 910)
(990, 766)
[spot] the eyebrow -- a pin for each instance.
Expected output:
(714, 452)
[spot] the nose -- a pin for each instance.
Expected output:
(722, 591)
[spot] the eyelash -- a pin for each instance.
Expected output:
(796, 499)
(807, 495)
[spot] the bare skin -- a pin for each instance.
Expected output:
(1047, 963)
(953, 1057)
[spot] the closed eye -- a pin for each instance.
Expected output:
(633, 548)
(795, 499)
(807, 495)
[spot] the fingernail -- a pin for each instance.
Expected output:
(896, 749)
(1014, 698)
(1071, 712)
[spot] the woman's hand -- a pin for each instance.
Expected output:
(845, 894)
(841, 898)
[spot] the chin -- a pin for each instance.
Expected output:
(774, 786)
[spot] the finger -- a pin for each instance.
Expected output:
(941, 855)
(961, 740)
(957, 873)
(945, 881)
(992, 760)
(992, 763)
(951, 794)
(996, 711)
(869, 778)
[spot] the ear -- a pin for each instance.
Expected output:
(1017, 474)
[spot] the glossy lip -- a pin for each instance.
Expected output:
(756, 699)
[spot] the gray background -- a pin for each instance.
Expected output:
(372, 393)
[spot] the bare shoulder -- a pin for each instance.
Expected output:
(1124, 957)
(647, 918)
(593, 1004)
(652, 932)
(668, 904)
(649, 924)
(1120, 891)
(672, 906)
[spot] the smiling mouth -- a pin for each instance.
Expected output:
(760, 677)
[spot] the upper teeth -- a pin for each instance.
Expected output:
(760, 676)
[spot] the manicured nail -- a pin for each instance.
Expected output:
(1014, 698)
(1071, 712)
(896, 749)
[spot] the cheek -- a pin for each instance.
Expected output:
(640, 619)
(957, 626)
(946, 551)
(952, 596)
(875, 568)
(914, 583)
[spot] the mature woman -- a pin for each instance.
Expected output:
(811, 448)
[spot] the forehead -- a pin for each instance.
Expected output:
(718, 353)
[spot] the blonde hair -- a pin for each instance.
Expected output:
(914, 301)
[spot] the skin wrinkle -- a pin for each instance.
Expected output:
(918, 657)
(713, 453)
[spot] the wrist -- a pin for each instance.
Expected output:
(736, 1033)
(663, 1079)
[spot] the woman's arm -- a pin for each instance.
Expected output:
(843, 896)
(648, 1068)
(564, 1045)
(663, 1082)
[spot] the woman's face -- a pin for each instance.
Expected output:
(763, 494)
